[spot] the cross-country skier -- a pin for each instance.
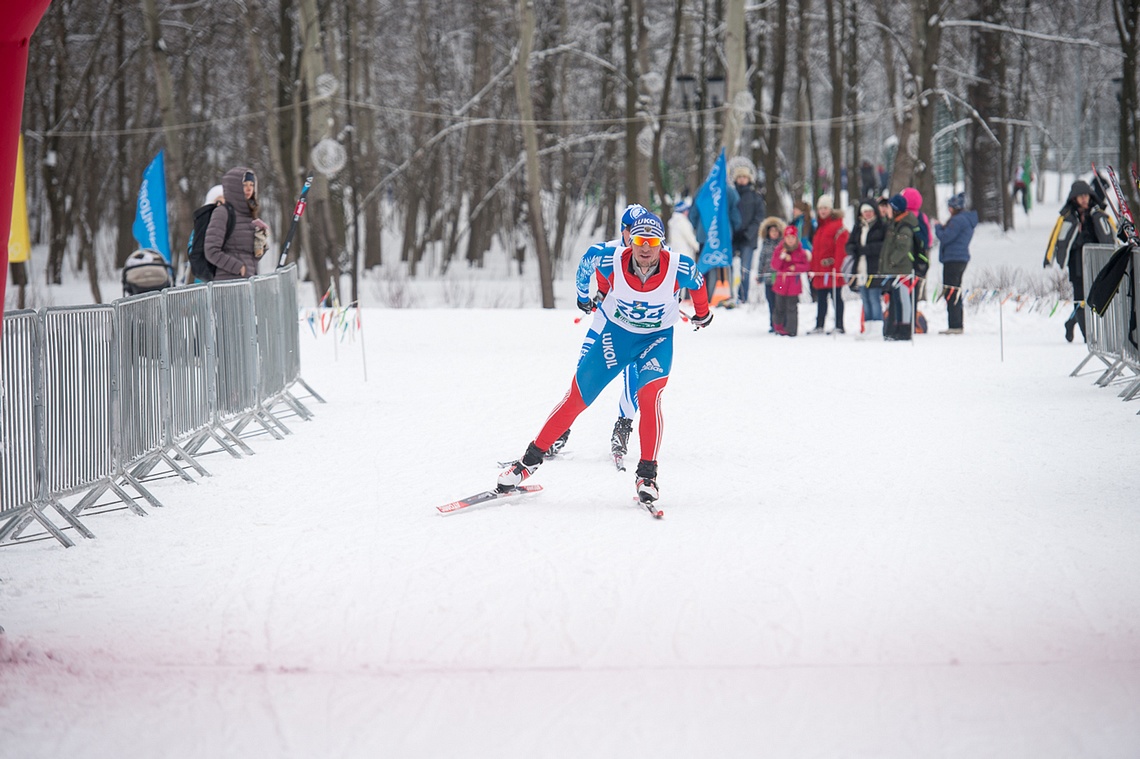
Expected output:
(587, 269)
(640, 307)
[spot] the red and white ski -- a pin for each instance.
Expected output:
(486, 496)
(652, 506)
(1127, 223)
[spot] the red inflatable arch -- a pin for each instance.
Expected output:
(19, 20)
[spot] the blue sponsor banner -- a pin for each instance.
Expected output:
(712, 205)
(150, 229)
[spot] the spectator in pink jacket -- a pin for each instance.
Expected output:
(788, 261)
(922, 260)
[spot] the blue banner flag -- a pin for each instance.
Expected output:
(712, 206)
(150, 228)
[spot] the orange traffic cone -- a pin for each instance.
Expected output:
(721, 293)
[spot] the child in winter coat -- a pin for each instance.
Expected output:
(771, 232)
(788, 262)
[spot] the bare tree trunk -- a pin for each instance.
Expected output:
(735, 75)
(851, 66)
(607, 219)
(927, 20)
(172, 119)
(323, 266)
(985, 152)
(254, 20)
(658, 133)
(636, 161)
(800, 178)
(835, 74)
(1126, 15)
(775, 203)
(124, 243)
(530, 139)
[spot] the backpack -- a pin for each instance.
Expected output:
(196, 248)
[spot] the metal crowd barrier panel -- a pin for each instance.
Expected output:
(270, 349)
(92, 398)
(144, 402)
(235, 329)
(81, 407)
(1113, 324)
(289, 318)
(1131, 351)
(1094, 257)
(193, 365)
(22, 488)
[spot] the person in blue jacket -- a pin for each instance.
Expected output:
(954, 253)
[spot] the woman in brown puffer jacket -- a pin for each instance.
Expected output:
(235, 256)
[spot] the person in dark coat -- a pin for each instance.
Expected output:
(954, 253)
(904, 244)
(745, 237)
(864, 246)
(1080, 223)
(868, 180)
(238, 255)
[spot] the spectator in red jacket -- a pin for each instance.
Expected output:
(829, 248)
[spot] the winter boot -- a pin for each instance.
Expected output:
(647, 481)
(513, 475)
(619, 441)
(558, 444)
(872, 330)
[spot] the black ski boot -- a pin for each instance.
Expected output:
(647, 481)
(557, 446)
(619, 441)
(513, 475)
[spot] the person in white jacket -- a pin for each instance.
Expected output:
(682, 238)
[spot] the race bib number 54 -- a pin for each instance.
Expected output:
(638, 313)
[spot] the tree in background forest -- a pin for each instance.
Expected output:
(422, 102)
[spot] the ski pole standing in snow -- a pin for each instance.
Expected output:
(640, 307)
(298, 210)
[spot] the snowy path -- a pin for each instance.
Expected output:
(869, 550)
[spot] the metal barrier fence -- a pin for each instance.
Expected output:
(1109, 334)
(93, 398)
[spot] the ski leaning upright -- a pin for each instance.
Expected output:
(1127, 223)
(298, 210)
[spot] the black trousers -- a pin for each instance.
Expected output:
(952, 272)
(821, 298)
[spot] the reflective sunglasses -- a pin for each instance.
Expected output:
(645, 240)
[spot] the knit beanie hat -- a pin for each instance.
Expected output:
(898, 203)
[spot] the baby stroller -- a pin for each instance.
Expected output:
(146, 271)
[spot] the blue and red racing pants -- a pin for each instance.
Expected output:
(602, 362)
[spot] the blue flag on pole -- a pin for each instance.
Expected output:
(150, 229)
(712, 206)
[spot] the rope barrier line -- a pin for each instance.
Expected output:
(971, 295)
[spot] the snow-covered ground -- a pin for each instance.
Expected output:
(869, 550)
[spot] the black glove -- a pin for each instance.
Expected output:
(585, 306)
(701, 321)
